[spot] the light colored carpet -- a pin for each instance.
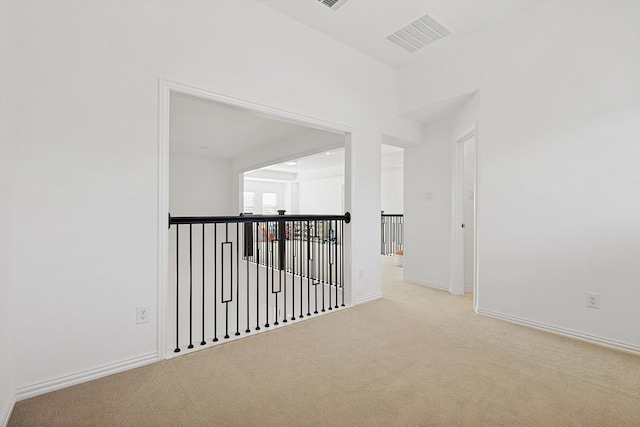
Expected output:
(418, 357)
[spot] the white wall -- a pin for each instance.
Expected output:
(427, 208)
(291, 200)
(83, 215)
(559, 183)
(200, 185)
(8, 48)
(321, 196)
(7, 384)
(392, 190)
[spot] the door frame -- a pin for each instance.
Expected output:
(165, 87)
(457, 244)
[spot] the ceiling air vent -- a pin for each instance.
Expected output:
(419, 33)
(333, 4)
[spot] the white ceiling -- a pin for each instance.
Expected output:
(365, 24)
(202, 127)
(438, 110)
(325, 160)
(328, 162)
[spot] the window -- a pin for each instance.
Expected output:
(249, 202)
(269, 203)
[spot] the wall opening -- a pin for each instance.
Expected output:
(206, 141)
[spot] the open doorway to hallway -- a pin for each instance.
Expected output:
(392, 209)
(435, 196)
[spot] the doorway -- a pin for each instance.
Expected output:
(464, 264)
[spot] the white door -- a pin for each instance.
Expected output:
(468, 210)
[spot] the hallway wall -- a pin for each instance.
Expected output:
(200, 185)
(428, 180)
(392, 190)
(7, 170)
(559, 199)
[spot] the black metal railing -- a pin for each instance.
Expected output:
(391, 233)
(247, 272)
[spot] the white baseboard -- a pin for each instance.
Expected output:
(617, 345)
(427, 284)
(84, 376)
(7, 414)
(368, 298)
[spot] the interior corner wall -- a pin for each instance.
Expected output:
(200, 185)
(83, 81)
(8, 141)
(428, 181)
(7, 387)
(559, 183)
(427, 208)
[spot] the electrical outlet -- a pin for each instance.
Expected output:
(593, 299)
(142, 315)
(360, 273)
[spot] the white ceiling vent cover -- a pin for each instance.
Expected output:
(419, 34)
(333, 4)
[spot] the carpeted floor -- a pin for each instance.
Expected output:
(418, 357)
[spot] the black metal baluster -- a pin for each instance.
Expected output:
(273, 254)
(237, 278)
(226, 303)
(315, 259)
(308, 270)
(282, 263)
(398, 233)
(283, 283)
(342, 258)
(382, 248)
(292, 258)
(387, 228)
(203, 342)
(335, 258)
(300, 257)
(327, 263)
(257, 245)
(215, 282)
(190, 286)
(330, 261)
(284, 301)
(177, 349)
(247, 230)
(266, 238)
(390, 235)
(396, 227)
(322, 266)
(386, 236)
